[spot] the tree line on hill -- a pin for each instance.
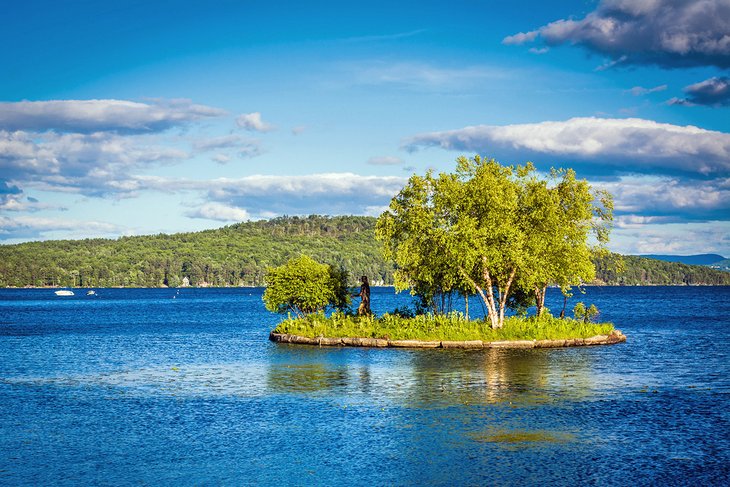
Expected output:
(240, 254)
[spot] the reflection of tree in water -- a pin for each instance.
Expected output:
(425, 378)
(493, 376)
(311, 377)
(305, 369)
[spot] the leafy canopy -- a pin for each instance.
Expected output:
(502, 231)
(304, 286)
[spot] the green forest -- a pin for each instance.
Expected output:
(239, 255)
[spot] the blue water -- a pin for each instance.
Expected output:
(135, 388)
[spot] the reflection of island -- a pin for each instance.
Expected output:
(441, 378)
(491, 376)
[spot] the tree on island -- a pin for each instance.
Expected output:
(499, 231)
(305, 286)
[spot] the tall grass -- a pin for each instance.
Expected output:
(429, 327)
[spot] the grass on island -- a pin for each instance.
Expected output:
(440, 327)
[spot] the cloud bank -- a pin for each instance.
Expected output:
(611, 145)
(87, 116)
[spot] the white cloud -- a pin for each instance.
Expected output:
(520, 38)
(673, 238)
(253, 122)
(268, 195)
(25, 227)
(668, 33)
(385, 161)
(86, 116)
(628, 145)
(219, 212)
(675, 199)
(90, 164)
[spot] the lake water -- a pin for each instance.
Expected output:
(135, 387)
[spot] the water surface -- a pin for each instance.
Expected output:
(148, 386)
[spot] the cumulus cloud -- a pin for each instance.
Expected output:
(661, 199)
(92, 147)
(253, 122)
(385, 161)
(711, 92)
(614, 145)
(219, 212)
(91, 164)
(87, 116)
(668, 33)
(672, 238)
(330, 193)
(263, 196)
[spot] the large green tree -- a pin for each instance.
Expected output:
(560, 214)
(492, 229)
(414, 236)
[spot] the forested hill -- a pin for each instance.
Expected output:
(238, 255)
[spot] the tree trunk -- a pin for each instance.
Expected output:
(491, 304)
(487, 298)
(540, 299)
(503, 297)
(466, 305)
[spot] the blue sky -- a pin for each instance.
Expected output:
(128, 118)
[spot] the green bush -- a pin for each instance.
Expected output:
(580, 312)
(305, 286)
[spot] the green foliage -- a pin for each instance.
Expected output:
(633, 271)
(238, 255)
(580, 312)
(305, 286)
(452, 326)
(235, 255)
(501, 231)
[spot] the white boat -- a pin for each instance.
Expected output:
(91, 292)
(64, 292)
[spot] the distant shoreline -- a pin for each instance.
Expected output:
(380, 287)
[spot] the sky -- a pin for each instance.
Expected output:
(143, 117)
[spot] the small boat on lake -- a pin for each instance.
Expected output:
(64, 292)
(91, 292)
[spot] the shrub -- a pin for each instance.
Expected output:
(580, 312)
(305, 286)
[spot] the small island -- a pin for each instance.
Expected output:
(504, 234)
